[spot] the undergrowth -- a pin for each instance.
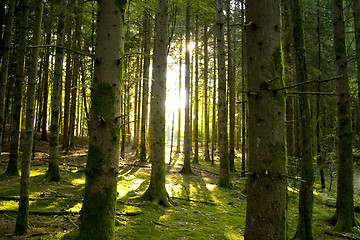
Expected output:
(200, 210)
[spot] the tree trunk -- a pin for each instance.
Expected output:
(214, 125)
(12, 168)
(22, 220)
(97, 219)
(76, 73)
(206, 80)
(8, 36)
(145, 90)
(68, 77)
(179, 111)
(266, 183)
(196, 109)
(46, 83)
(344, 216)
(356, 7)
(157, 191)
(53, 172)
(187, 140)
(318, 119)
(224, 176)
(244, 152)
(306, 198)
(231, 83)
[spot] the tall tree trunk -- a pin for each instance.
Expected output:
(231, 83)
(8, 36)
(179, 111)
(136, 104)
(266, 183)
(224, 176)
(68, 77)
(318, 118)
(214, 125)
(306, 198)
(53, 172)
(187, 140)
(12, 168)
(244, 152)
(145, 90)
(77, 63)
(46, 83)
(196, 109)
(356, 7)
(206, 80)
(22, 220)
(97, 219)
(157, 191)
(344, 216)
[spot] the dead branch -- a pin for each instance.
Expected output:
(307, 82)
(66, 48)
(197, 201)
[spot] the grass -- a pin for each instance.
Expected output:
(201, 210)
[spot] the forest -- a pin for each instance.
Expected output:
(170, 119)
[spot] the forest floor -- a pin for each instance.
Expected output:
(201, 210)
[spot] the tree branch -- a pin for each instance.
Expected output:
(307, 82)
(66, 48)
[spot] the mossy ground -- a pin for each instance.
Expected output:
(201, 209)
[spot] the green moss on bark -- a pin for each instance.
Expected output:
(103, 103)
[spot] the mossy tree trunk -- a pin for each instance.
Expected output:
(156, 191)
(206, 80)
(320, 161)
(7, 39)
(356, 7)
(97, 219)
(344, 216)
(53, 172)
(145, 89)
(224, 176)
(231, 84)
(22, 220)
(22, 21)
(306, 198)
(187, 139)
(266, 183)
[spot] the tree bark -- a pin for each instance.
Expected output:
(145, 90)
(157, 191)
(206, 80)
(8, 36)
(12, 168)
(187, 140)
(306, 198)
(266, 183)
(76, 73)
(344, 216)
(97, 219)
(68, 77)
(196, 108)
(179, 111)
(46, 83)
(22, 220)
(53, 172)
(224, 176)
(232, 89)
